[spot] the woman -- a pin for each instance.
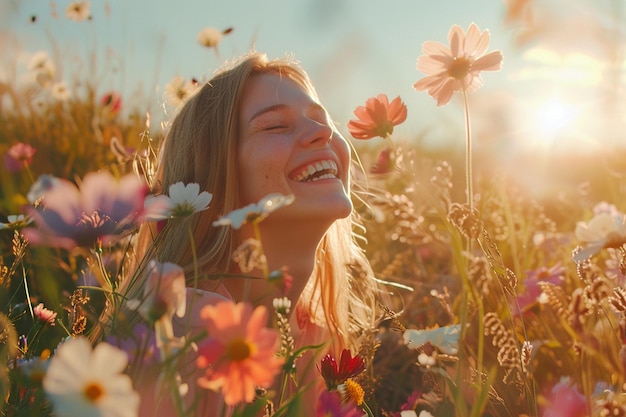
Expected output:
(256, 128)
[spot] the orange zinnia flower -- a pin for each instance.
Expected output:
(377, 117)
(458, 67)
(240, 352)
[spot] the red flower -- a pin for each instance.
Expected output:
(112, 101)
(377, 117)
(348, 367)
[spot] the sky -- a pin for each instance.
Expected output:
(352, 49)
(553, 95)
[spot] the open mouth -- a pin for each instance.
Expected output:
(316, 171)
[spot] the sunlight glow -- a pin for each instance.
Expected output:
(553, 117)
(543, 64)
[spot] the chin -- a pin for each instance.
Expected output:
(324, 210)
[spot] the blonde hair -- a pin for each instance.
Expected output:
(201, 147)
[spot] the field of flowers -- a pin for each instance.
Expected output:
(508, 294)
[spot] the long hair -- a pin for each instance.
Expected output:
(201, 147)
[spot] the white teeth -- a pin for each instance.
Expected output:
(310, 170)
(321, 177)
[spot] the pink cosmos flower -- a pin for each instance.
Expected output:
(18, 157)
(565, 401)
(377, 118)
(384, 163)
(458, 67)
(240, 352)
(44, 315)
(330, 404)
(101, 210)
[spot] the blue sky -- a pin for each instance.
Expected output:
(353, 49)
(541, 100)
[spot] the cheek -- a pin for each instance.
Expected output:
(260, 173)
(342, 150)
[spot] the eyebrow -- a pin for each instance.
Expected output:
(280, 106)
(267, 109)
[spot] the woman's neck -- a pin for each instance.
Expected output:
(290, 249)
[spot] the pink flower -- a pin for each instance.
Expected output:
(330, 404)
(18, 157)
(384, 163)
(377, 118)
(565, 401)
(458, 67)
(98, 212)
(240, 352)
(44, 315)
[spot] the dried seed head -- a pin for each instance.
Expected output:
(466, 221)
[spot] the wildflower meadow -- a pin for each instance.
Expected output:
(504, 258)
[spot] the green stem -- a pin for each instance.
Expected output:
(283, 389)
(103, 271)
(367, 410)
(192, 244)
(29, 173)
(469, 188)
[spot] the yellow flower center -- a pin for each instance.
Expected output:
(354, 391)
(93, 392)
(459, 67)
(238, 350)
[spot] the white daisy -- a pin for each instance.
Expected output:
(82, 381)
(15, 221)
(605, 230)
(60, 91)
(255, 212)
(41, 68)
(209, 37)
(178, 89)
(445, 338)
(183, 200)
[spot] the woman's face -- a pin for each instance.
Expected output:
(288, 145)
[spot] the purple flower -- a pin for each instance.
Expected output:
(140, 347)
(98, 212)
(554, 275)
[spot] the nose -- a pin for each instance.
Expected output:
(317, 133)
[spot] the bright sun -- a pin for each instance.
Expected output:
(553, 117)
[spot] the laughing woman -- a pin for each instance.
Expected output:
(258, 128)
